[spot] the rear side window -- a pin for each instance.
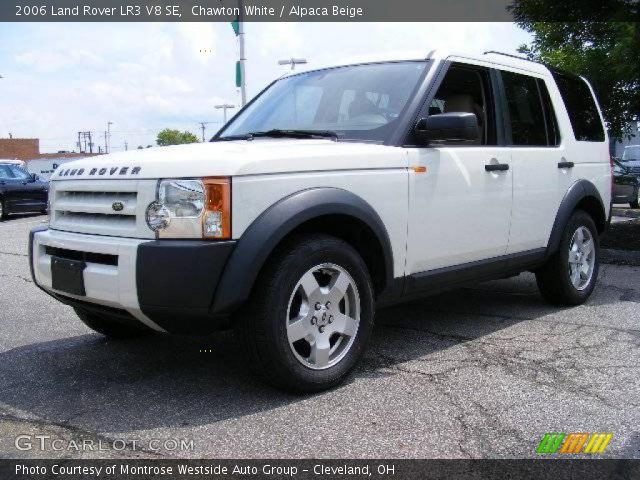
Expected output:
(526, 112)
(581, 107)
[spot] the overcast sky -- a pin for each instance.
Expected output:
(63, 78)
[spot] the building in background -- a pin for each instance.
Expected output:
(28, 150)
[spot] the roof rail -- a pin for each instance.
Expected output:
(510, 55)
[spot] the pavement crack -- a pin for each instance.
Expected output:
(4, 275)
(14, 254)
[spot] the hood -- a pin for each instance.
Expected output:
(630, 163)
(233, 158)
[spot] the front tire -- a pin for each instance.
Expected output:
(3, 210)
(111, 327)
(569, 276)
(310, 315)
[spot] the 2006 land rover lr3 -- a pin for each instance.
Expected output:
(332, 192)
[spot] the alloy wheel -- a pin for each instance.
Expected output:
(323, 316)
(582, 257)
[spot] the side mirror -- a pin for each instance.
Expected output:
(448, 127)
(34, 177)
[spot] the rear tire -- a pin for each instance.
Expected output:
(110, 326)
(569, 276)
(3, 210)
(310, 315)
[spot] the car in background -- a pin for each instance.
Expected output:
(20, 163)
(631, 159)
(626, 185)
(21, 191)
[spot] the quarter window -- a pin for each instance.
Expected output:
(581, 107)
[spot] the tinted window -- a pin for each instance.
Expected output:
(581, 107)
(525, 110)
(550, 122)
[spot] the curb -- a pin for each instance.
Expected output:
(620, 257)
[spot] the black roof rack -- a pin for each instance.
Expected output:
(512, 56)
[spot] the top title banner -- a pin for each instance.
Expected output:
(302, 10)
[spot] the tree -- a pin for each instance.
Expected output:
(596, 45)
(175, 137)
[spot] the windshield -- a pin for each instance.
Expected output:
(631, 153)
(356, 102)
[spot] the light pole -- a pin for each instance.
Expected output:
(243, 83)
(224, 108)
(293, 62)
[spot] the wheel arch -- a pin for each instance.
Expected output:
(582, 195)
(328, 210)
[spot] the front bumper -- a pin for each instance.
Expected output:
(166, 285)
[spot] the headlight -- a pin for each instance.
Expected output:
(192, 209)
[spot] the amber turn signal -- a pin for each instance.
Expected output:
(216, 221)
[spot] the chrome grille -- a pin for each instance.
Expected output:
(87, 206)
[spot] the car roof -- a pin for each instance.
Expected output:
(491, 58)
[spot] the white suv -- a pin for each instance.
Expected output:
(335, 191)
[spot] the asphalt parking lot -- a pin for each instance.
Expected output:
(480, 372)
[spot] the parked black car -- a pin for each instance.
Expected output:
(626, 185)
(21, 191)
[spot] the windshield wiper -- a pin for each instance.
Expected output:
(282, 133)
(244, 136)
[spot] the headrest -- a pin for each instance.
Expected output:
(459, 103)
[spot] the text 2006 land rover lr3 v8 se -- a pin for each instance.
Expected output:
(334, 191)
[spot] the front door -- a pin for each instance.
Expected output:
(460, 204)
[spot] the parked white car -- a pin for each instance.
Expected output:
(331, 193)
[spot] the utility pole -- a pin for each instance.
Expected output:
(106, 142)
(203, 126)
(108, 137)
(126, 146)
(79, 142)
(293, 62)
(224, 108)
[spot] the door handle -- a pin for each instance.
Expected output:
(565, 164)
(496, 167)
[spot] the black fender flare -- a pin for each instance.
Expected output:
(263, 235)
(576, 192)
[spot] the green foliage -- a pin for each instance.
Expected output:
(174, 137)
(605, 52)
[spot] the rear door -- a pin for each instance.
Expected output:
(537, 156)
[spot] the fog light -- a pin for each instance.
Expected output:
(157, 216)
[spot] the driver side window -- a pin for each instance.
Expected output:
(468, 89)
(18, 173)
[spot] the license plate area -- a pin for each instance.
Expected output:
(67, 275)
